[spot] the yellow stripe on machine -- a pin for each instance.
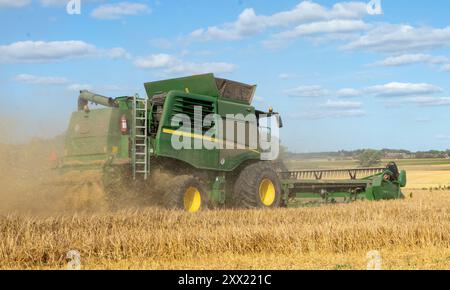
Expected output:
(191, 135)
(197, 136)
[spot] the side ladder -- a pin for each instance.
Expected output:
(140, 157)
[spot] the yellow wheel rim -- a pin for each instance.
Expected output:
(267, 192)
(192, 200)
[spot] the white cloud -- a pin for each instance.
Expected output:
(407, 59)
(334, 114)
(429, 101)
(394, 38)
(342, 105)
(48, 3)
(173, 65)
(333, 28)
(248, 23)
(42, 51)
(119, 10)
(395, 89)
(24, 51)
(61, 3)
(14, 3)
(333, 109)
(161, 43)
(306, 12)
(40, 80)
(155, 61)
(117, 53)
(446, 68)
(307, 92)
(348, 93)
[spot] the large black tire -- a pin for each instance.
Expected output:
(251, 181)
(186, 193)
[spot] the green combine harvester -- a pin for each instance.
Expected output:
(124, 146)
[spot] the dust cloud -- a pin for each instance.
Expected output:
(31, 184)
(24, 171)
(27, 175)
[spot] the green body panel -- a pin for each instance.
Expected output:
(232, 158)
(227, 106)
(94, 139)
(200, 84)
(402, 180)
(216, 159)
(217, 195)
(198, 158)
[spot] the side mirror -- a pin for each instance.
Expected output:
(402, 180)
(279, 121)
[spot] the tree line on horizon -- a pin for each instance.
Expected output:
(366, 157)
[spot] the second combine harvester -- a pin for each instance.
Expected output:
(127, 141)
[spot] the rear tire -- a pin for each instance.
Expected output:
(257, 186)
(186, 193)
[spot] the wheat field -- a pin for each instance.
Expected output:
(410, 234)
(36, 233)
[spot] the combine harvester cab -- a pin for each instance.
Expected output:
(126, 145)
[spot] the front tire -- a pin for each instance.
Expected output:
(186, 193)
(257, 186)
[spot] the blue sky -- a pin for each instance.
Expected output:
(341, 77)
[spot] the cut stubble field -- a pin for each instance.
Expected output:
(409, 234)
